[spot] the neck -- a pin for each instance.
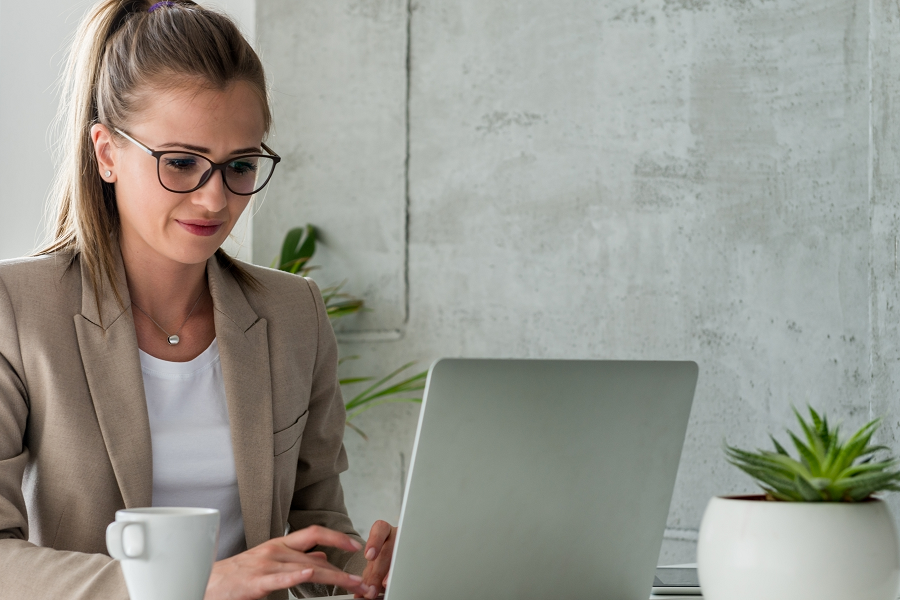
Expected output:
(162, 287)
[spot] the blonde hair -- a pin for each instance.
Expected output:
(120, 52)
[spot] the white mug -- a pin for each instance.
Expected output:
(166, 553)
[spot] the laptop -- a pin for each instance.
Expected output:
(538, 479)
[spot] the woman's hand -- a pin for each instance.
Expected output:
(379, 551)
(282, 563)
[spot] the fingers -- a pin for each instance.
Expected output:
(277, 553)
(376, 571)
(352, 583)
(309, 538)
(377, 536)
(282, 563)
(312, 558)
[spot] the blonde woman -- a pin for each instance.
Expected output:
(140, 365)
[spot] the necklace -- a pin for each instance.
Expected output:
(173, 339)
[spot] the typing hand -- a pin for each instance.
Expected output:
(282, 563)
(379, 550)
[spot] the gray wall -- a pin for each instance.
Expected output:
(670, 179)
(32, 40)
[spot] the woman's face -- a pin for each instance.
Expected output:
(159, 224)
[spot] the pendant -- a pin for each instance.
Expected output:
(173, 340)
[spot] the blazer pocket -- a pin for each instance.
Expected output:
(287, 438)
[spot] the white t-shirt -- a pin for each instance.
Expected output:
(193, 460)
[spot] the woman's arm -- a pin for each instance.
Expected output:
(318, 497)
(29, 571)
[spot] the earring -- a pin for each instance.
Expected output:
(108, 173)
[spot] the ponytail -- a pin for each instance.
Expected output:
(120, 49)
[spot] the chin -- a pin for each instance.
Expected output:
(195, 256)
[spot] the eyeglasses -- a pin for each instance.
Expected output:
(183, 172)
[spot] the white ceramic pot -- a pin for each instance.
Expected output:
(750, 549)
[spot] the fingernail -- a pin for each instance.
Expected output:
(355, 544)
(355, 578)
(370, 554)
(306, 572)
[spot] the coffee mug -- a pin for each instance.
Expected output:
(166, 553)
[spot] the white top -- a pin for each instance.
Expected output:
(193, 461)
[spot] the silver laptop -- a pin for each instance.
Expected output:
(541, 479)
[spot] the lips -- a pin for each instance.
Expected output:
(201, 227)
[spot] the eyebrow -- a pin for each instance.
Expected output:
(202, 150)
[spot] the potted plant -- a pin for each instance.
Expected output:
(818, 532)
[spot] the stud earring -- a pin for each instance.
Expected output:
(108, 173)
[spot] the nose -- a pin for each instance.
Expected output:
(212, 195)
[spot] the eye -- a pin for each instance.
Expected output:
(180, 163)
(243, 166)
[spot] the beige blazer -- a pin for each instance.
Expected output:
(75, 435)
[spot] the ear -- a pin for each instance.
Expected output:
(106, 151)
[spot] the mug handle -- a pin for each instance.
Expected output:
(126, 540)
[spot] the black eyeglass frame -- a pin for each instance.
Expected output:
(157, 154)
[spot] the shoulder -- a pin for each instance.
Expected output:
(292, 306)
(273, 281)
(37, 275)
(279, 290)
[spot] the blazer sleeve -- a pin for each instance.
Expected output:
(318, 497)
(29, 571)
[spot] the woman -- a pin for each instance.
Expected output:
(140, 365)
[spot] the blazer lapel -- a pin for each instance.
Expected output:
(109, 353)
(244, 353)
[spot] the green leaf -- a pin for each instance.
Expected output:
(335, 312)
(808, 455)
(861, 492)
(771, 480)
(782, 496)
(298, 247)
(290, 244)
(352, 380)
(866, 480)
(831, 455)
(866, 467)
(855, 447)
(812, 436)
(363, 397)
(381, 392)
(357, 430)
(764, 460)
(352, 415)
(817, 421)
(807, 490)
(778, 447)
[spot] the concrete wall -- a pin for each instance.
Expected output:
(666, 179)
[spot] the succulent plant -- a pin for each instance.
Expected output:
(828, 469)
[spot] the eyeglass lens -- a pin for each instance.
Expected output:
(184, 172)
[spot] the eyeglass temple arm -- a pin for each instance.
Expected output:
(269, 150)
(150, 152)
(135, 142)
